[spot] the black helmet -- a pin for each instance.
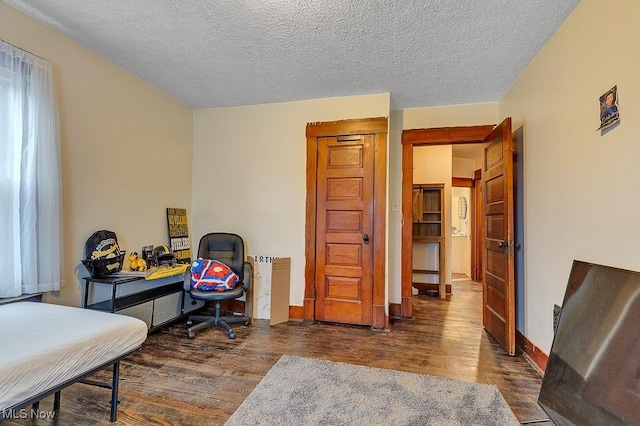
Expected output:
(162, 255)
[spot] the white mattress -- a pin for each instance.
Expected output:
(44, 345)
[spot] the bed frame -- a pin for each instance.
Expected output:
(35, 401)
(76, 344)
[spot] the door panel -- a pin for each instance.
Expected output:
(344, 254)
(498, 284)
(343, 288)
(344, 189)
(344, 265)
(495, 192)
(344, 221)
(493, 154)
(495, 226)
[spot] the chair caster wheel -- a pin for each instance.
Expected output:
(246, 323)
(232, 335)
(189, 323)
(191, 334)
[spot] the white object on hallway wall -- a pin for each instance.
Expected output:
(460, 211)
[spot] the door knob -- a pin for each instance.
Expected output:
(365, 238)
(501, 244)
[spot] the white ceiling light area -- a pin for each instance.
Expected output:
(228, 53)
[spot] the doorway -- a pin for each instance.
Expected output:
(461, 231)
(498, 239)
(446, 255)
(466, 160)
(415, 138)
(345, 222)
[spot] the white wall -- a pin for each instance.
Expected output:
(126, 148)
(249, 172)
(394, 224)
(581, 187)
(461, 254)
(463, 167)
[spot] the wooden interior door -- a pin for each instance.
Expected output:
(344, 241)
(498, 283)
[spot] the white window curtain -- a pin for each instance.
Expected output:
(30, 182)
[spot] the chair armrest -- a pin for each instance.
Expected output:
(247, 276)
(187, 279)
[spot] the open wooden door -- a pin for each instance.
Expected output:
(498, 283)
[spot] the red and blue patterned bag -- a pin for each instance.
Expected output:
(208, 275)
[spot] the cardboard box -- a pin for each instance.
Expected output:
(271, 288)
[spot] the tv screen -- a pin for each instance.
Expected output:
(593, 372)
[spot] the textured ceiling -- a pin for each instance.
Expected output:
(222, 53)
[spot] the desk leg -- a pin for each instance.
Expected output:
(113, 297)
(86, 294)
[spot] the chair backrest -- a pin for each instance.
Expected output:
(226, 248)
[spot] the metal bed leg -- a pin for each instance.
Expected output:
(35, 406)
(114, 391)
(56, 401)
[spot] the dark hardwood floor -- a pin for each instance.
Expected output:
(176, 381)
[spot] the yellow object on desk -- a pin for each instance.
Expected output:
(156, 272)
(136, 263)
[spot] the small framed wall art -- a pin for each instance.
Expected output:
(609, 108)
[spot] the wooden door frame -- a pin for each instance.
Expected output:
(410, 139)
(460, 182)
(476, 246)
(379, 127)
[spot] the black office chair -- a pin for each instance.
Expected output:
(228, 249)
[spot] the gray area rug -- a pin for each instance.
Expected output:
(305, 391)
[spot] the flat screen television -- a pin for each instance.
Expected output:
(593, 372)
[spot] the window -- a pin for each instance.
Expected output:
(30, 188)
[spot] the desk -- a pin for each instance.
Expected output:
(156, 302)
